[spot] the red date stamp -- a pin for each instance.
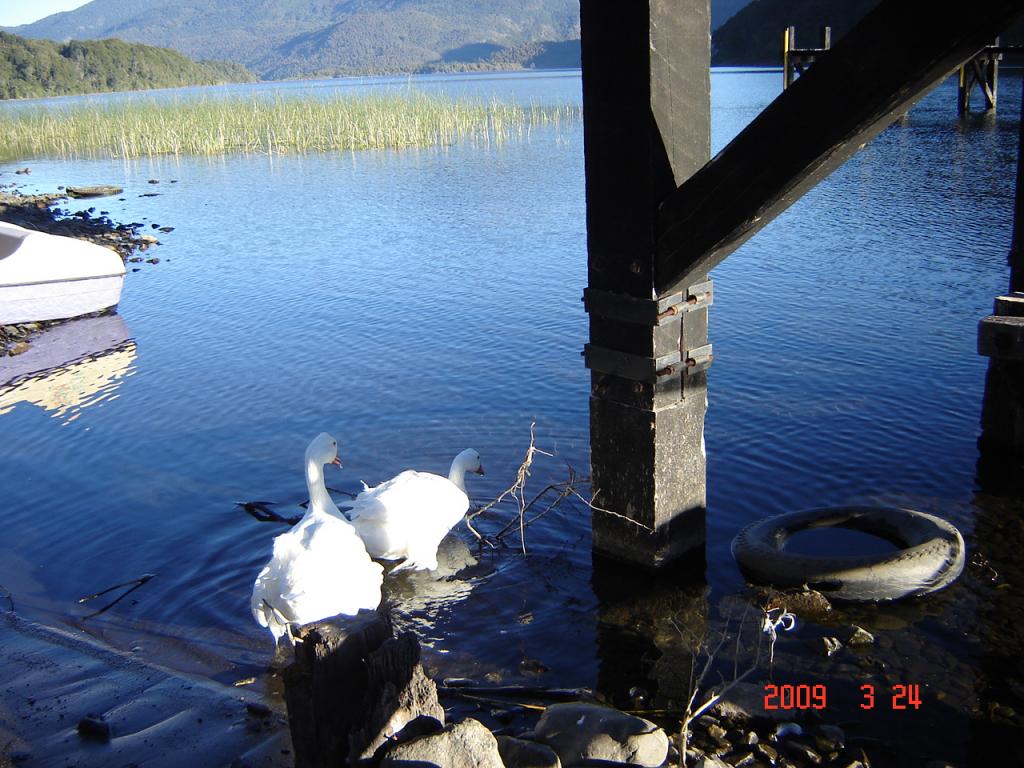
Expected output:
(787, 696)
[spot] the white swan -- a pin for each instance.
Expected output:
(407, 516)
(320, 567)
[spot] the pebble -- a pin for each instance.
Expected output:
(94, 728)
(717, 732)
(831, 645)
(802, 751)
(258, 709)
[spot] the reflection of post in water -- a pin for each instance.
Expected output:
(1001, 338)
(69, 367)
(639, 648)
(998, 535)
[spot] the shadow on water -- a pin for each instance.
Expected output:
(639, 647)
(997, 542)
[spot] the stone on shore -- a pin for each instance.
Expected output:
(520, 753)
(466, 744)
(98, 190)
(579, 732)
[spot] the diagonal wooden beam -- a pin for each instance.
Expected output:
(898, 52)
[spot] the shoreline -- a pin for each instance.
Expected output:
(41, 213)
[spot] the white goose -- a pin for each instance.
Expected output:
(320, 567)
(407, 516)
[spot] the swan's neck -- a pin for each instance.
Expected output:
(458, 475)
(319, 499)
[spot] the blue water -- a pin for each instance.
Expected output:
(417, 302)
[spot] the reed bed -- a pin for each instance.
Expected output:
(268, 126)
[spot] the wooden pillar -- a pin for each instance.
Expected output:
(788, 44)
(1016, 257)
(647, 118)
(1001, 339)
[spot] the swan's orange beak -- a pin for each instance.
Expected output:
(336, 461)
(480, 470)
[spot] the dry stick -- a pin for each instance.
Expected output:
(692, 714)
(517, 491)
(593, 506)
(565, 485)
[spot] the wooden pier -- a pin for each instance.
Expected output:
(661, 216)
(796, 60)
(981, 71)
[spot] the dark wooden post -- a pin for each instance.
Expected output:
(1001, 338)
(788, 44)
(1016, 256)
(646, 104)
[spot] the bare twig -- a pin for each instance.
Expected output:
(133, 585)
(714, 695)
(262, 511)
(593, 506)
(517, 491)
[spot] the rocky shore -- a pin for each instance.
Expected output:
(356, 694)
(42, 213)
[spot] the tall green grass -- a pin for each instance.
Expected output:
(221, 126)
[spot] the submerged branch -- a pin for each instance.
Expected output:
(133, 585)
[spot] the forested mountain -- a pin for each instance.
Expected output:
(754, 34)
(305, 38)
(290, 38)
(31, 68)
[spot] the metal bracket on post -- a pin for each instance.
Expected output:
(653, 312)
(650, 370)
(656, 312)
(698, 359)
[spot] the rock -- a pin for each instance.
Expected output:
(398, 693)
(744, 701)
(23, 171)
(94, 728)
(740, 760)
(829, 738)
(803, 752)
(18, 348)
(710, 761)
(831, 645)
(258, 709)
(154, 181)
(467, 744)
(533, 667)
(153, 260)
(98, 190)
(520, 753)
(860, 636)
(767, 751)
(806, 603)
(580, 732)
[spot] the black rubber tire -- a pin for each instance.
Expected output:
(931, 554)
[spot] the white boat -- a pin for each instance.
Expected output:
(49, 277)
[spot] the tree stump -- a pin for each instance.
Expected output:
(352, 687)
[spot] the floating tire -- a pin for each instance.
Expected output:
(930, 555)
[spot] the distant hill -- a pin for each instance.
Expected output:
(31, 68)
(308, 38)
(754, 35)
(302, 38)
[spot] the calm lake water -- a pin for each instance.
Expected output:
(417, 302)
